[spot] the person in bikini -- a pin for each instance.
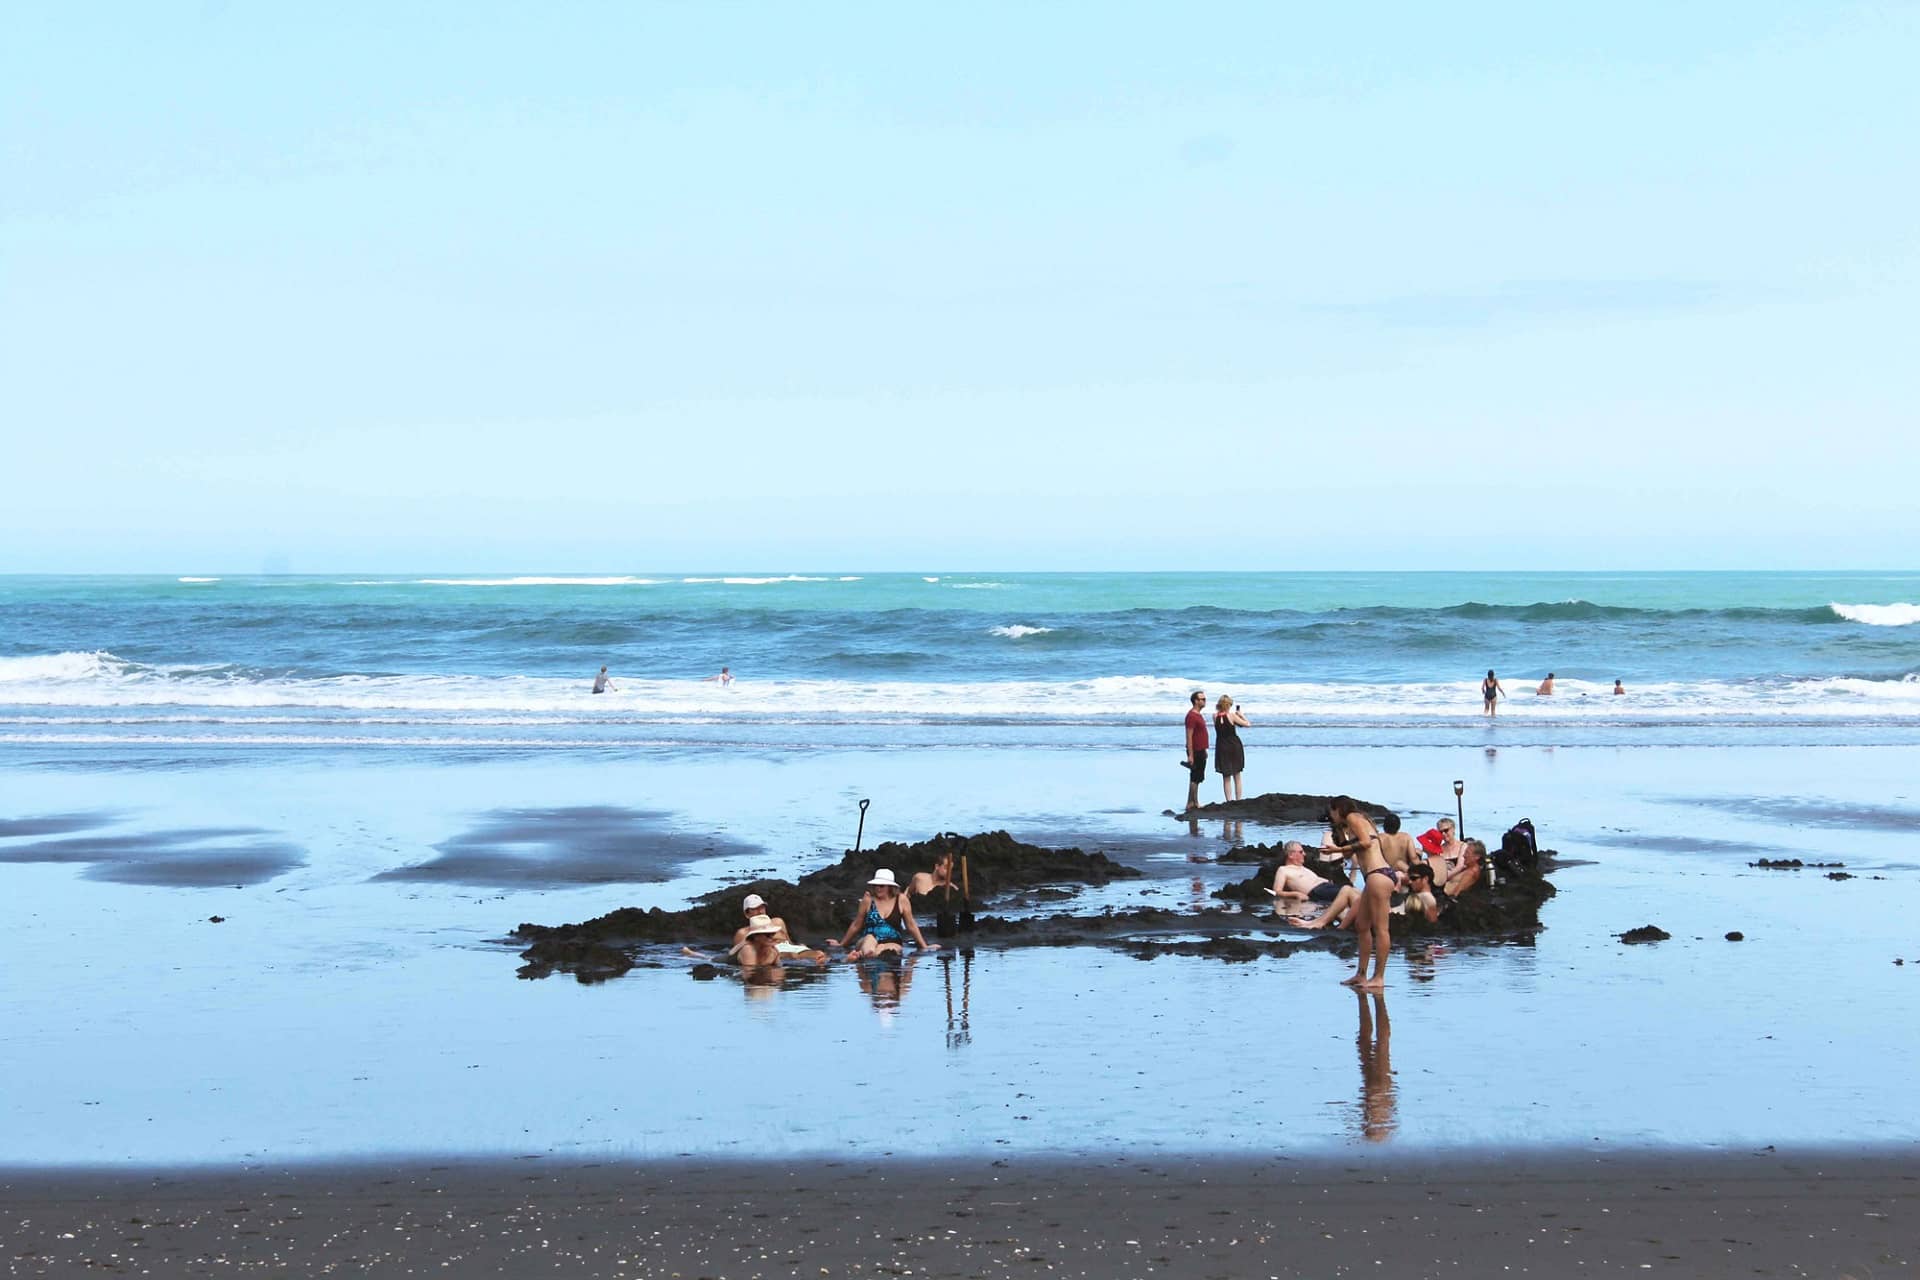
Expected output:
(1377, 882)
(883, 921)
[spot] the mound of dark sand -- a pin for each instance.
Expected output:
(1646, 933)
(1278, 808)
(820, 904)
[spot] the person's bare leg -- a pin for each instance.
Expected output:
(1363, 929)
(1378, 920)
(1226, 788)
(1342, 901)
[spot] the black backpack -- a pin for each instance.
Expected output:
(1519, 850)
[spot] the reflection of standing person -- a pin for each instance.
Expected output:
(600, 682)
(1229, 753)
(723, 679)
(1378, 1117)
(1196, 761)
(1490, 692)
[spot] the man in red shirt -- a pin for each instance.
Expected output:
(1196, 747)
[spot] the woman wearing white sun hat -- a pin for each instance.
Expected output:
(883, 920)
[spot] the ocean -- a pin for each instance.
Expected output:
(473, 659)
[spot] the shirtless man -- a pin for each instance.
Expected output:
(941, 877)
(1400, 849)
(1420, 900)
(1546, 686)
(1473, 857)
(1294, 885)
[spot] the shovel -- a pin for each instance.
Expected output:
(966, 896)
(861, 830)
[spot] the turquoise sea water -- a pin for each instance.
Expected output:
(480, 658)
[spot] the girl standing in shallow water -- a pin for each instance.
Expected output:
(1377, 880)
(1491, 693)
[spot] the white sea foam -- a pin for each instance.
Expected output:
(761, 582)
(976, 586)
(533, 582)
(929, 579)
(1017, 630)
(1879, 615)
(100, 684)
(196, 579)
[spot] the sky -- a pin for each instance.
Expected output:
(1070, 286)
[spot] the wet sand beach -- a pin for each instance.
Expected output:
(1106, 1215)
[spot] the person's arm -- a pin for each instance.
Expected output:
(1239, 719)
(913, 926)
(853, 926)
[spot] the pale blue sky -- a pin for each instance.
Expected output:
(627, 286)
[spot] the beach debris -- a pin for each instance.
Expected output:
(1839, 875)
(216, 919)
(1645, 933)
(1736, 936)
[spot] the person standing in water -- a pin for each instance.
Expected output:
(1196, 761)
(1618, 688)
(600, 684)
(1229, 753)
(1546, 686)
(1491, 692)
(1377, 881)
(724, 679)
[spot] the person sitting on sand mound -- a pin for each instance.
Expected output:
(1473, 859)
(925, 883)
(883, 921)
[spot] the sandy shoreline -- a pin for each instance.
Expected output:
(1378, 1213)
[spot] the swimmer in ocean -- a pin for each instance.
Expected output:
(600, 684)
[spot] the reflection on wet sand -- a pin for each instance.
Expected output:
(885, 979)
(1378, 1103)
(961, 1032)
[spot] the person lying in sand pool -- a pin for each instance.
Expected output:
(755, 907)
(1420, 899)
(758, 947)
(883, 921)
(1295, 885)
(1449, 857)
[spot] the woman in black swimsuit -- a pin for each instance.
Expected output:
(1229, 753)
(1491, 692)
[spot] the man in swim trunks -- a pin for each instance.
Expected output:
(600, 681)
(1196, 748)
(1294, 886)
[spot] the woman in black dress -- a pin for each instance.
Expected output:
(1229, 753)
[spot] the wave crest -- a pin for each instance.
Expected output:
(1879, 615)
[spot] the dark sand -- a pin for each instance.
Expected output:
(558, 848)
(186, 857)
(1372, 1214)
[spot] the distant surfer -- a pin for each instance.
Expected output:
(724, 679)
(600, 684)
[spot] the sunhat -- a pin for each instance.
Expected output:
(761, 924)
(885, 877)
(753, 900)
